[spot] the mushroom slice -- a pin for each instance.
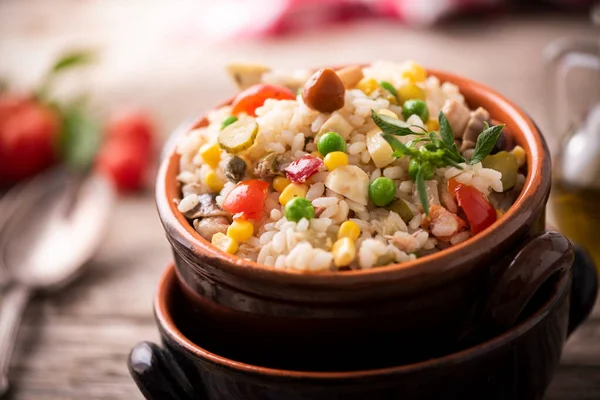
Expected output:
(208, 226)
(207, 207)
(474, 128)
(458, 116)
(351, 75)
(246, 74)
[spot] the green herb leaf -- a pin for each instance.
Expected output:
(418, 127)
(397, 146)
(389, 87)
(391, 126)
(80, 138)
(412, 143)
(71, 60)
(66, 62)
(422, 189)
(486, 142)
(446, 130)
(448, 137)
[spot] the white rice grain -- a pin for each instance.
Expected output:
(357, 148)
(325, 201)
(320, 224)
(302, 225)
(315, 190)
(375, 174)
(188, 203)
(393, 172)
(415, 222)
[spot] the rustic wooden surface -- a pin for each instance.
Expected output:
(73, 344)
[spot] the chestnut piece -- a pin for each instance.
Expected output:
(324, 91)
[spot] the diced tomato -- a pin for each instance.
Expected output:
(478, 209)
(250, 99)
(247, 199)
(125, 162)
(303, 168)
(28, 137)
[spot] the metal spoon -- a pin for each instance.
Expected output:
(47, 234)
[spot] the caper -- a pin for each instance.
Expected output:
(235, 169)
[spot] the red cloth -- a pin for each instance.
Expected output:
(249, 18)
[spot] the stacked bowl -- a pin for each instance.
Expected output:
(483, 319)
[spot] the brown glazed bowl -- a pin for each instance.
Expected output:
(517, 364)
(403, 310)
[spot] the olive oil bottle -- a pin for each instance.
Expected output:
(576, 213)
(573, 67)
(575, 195)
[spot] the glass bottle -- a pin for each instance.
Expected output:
(574, 110)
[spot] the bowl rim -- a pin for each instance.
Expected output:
(169, 281)
(533, 195)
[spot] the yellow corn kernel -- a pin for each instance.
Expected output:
(367, 85)
(317, 154)
(280, 183)
(344, 251)
(411, 92)
(388, 113)
(433, 125)
(240, 230)
(225, 243)
(292, 190)
(392, 99)
(499, 213)
(349, 229)
(211, 154)
(214, 183)
(519, 153)
(415, 73)
(335, 159)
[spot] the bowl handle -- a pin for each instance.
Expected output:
(157, 375)
(584, 289)
(546, 256)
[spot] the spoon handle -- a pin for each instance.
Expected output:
(13, 306)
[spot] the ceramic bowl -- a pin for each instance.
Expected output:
(402, 310)
(517, 364)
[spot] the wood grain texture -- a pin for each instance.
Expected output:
(74, 344)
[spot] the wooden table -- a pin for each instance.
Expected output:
(74, 345)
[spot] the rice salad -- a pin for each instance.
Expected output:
(344, 169)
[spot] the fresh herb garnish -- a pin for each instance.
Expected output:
(448, 137)
(422, 189)
(486, 142)
(389, 87)
(437, 150)
(391, 125)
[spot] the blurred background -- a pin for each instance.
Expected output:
(133, 71)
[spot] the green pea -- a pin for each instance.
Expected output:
(382, 191)
(415, 107)
(330, 142)
(298, 208)
(228, 121)
(413, 169)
